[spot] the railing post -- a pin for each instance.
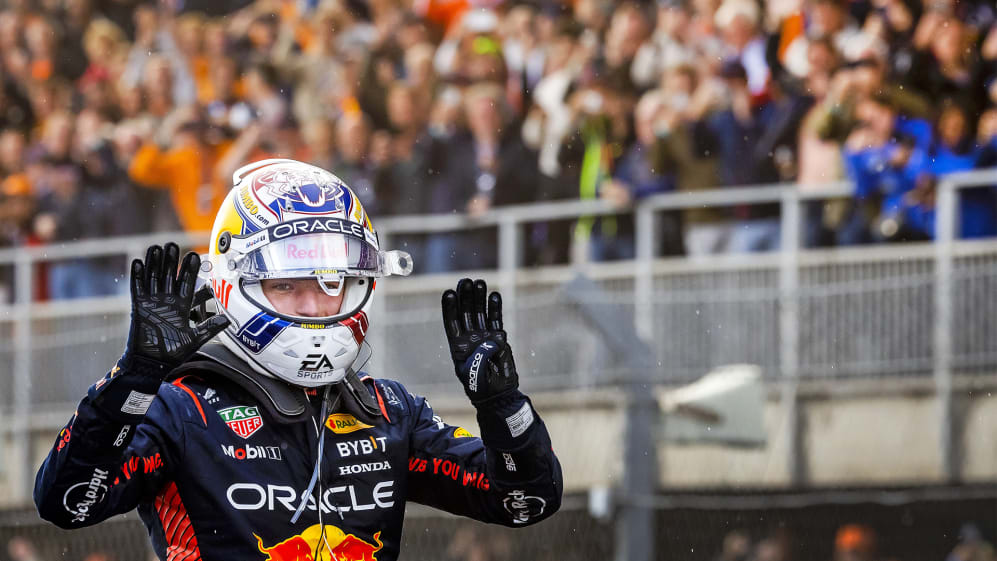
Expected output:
(789, 324)
(509, 260)
(578, 252)
(21, 478)
(945, 234)
(635, 530)
(639, 481)
(644, 280)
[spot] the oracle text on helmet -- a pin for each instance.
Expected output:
(313, 225)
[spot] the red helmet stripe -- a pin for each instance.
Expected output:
(358, 324)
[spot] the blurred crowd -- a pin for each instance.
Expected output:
(125, 116)
(852, 542)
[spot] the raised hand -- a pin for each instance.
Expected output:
(162, 301)
(482, 357)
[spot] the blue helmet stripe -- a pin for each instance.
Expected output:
(260, 331)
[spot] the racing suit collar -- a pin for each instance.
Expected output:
(285, 403)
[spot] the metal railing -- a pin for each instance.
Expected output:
(787, 310)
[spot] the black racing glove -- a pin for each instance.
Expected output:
(161, 336)
(478, 344)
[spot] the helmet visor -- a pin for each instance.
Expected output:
(325, 248)
(313, 255)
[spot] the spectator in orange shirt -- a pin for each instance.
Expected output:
(186, 169)
(17, 202)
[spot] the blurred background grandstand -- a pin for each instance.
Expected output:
(659, 188)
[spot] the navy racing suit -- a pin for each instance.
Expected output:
(217, 473)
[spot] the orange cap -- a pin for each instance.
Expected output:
(16, 185)
(854, 537)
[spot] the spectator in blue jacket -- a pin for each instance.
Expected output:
(951, 149)
(884, 156)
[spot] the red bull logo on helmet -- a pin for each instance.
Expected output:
(310, 546)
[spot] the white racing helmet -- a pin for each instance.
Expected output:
(288, 219)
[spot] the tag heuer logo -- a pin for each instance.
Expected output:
(243, 420)
(342, 423)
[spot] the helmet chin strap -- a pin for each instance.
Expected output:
(363, 357)
(353, 395)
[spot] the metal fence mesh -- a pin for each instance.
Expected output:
(72, 352)
(975, 311)
(863, 317)
(707, 319)
(561, 349)
(866, 319)
(555, 347)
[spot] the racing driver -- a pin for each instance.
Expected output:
(253, 433)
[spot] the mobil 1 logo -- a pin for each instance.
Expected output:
(252, 452)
